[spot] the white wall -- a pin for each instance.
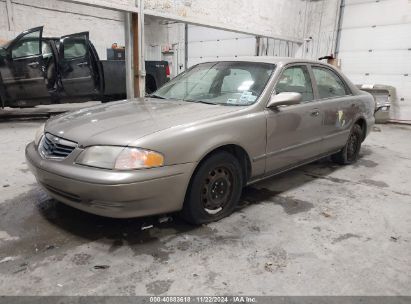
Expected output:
(60, 18)
(294, 19)
(273, 18)
(375, 47)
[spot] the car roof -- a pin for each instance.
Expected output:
(267, 59)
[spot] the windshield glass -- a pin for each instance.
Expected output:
(225, 83)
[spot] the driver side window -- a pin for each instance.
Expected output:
(28, 45)
(296, 79)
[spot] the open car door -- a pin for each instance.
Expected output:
(76, 68)
(22, 67)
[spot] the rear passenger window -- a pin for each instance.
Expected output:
(328, 83)
(296, 79)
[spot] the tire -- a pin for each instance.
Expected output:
(214, 190)
(351, 151)
(151, 85)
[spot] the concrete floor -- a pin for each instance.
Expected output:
(318, 230)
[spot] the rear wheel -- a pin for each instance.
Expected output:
(351, 151)
(214, 190)
(151, 85)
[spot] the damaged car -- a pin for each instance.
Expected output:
(198, 140)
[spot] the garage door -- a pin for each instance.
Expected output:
(375, 47)
(207, 44)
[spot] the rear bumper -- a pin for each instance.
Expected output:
(120, 195)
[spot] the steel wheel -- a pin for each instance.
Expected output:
(217, 189)
(214, 190)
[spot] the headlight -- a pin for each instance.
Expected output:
(39, 134)
(119, 158)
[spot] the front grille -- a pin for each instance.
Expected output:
(55, 147)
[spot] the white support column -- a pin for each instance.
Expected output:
(141, 49)
(128, 30)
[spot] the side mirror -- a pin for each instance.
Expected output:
(3, 52)
(285, 99)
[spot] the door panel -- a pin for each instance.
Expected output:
(336, 100)
(337, 122)
(294, 132)
(77, 75)
(23, 70)
(293, 135)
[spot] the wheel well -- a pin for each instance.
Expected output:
(240, 154)
(363, 124)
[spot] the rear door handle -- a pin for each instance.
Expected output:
(82, 64)
(315, 113)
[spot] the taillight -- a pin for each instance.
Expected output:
(168, 71)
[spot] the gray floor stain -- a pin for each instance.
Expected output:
(362, 162)
(290, 205)
(81, 259)
(211, 276)
(345, 237)
(329, 178)
(254, 228)
(277, 258)
(183, 245)
(39, 223)
(159, 287)
(375, 183)
(128, 290)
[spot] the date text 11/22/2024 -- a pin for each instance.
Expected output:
(203, 299)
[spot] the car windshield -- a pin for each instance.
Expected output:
(224, 83)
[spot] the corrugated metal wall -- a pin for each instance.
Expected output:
(375, 47)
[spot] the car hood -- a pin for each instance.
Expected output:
(122, 122)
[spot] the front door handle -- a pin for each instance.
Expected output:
(315, 113)
(82, 64)
(34, 64)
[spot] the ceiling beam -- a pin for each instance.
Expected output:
(113, 5)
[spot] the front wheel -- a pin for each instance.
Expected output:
(214, 190)
(351, 151)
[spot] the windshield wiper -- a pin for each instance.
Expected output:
(200, 101)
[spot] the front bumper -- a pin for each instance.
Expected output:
(119, 194)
